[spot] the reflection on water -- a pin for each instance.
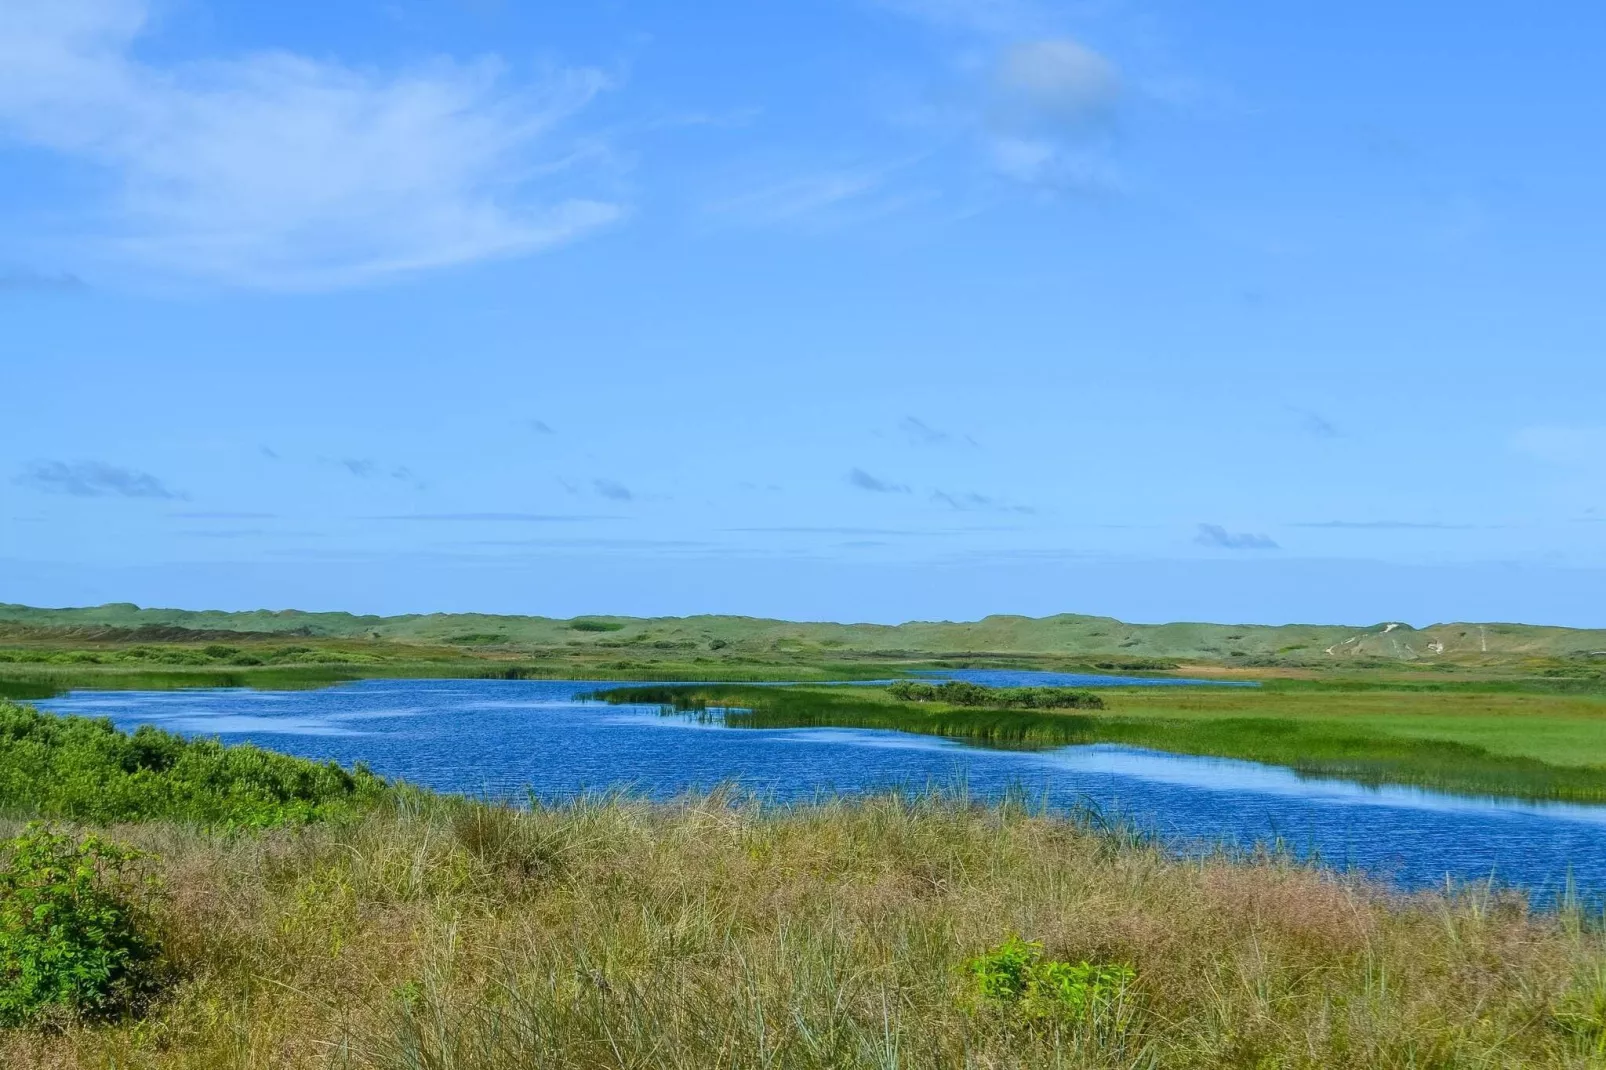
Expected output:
(501, 738)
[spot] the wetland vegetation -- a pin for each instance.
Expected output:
(1523, 744)
(401, 929)
(279, 912)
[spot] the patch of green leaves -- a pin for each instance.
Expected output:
(75, 940)
(1014, 974)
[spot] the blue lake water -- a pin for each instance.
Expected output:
(505, 737)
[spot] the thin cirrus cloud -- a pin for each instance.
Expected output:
(1214, 535)
(821, 199)
(94, 479)
(1383, 525)
(279, 170)
(921, 433)
(505, 518)
(40, 282)
(972, 502)
(863, 480)
(368, 469)
(1316, 425)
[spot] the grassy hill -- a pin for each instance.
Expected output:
(1094, 641)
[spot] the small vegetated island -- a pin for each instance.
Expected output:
(169, 902)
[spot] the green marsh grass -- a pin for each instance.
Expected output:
(1423, 740)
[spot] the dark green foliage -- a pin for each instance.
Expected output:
(87, 770)
(1016, 975)
(960, 693)
(595, 626)
(75, 940)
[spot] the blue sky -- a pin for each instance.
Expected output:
(849, 309)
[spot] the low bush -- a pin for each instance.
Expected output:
(1016, 975)
(87, 770)
(75, 939)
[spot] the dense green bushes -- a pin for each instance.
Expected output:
(960, 693)
(76, 937)
(87, 770)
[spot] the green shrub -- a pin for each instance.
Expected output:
(1016, 975)
(595, 626)
(74, 934)
(86, 770)
(1001, 973)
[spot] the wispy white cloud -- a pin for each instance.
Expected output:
(826, 197)
(278, 170)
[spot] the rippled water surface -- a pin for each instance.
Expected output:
(503, 737)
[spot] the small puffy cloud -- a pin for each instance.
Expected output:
(1053, 103)
(612, 490)
(865, 481)
(1214, 535)
(1059, 82)
(92, 479)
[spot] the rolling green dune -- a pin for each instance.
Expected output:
(1115, 644)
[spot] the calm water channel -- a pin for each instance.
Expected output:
(502, 738)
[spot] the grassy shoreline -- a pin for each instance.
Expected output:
(306, 917)
(437, 932)
(1379, 738)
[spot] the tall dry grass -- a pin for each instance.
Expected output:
(710, 933)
